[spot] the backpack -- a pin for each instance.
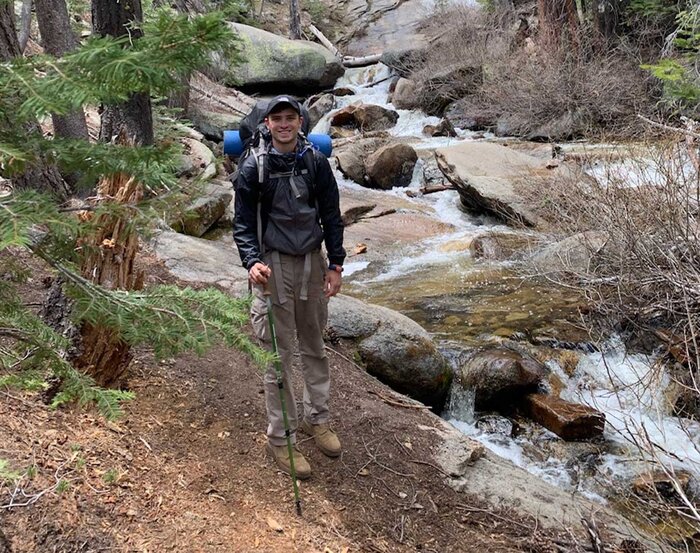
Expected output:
(256, 141)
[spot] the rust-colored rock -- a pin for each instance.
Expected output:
(570, 421)
(366, 117)
(658, 482)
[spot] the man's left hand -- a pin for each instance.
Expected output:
(332, 282)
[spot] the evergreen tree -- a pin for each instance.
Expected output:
(168, 319)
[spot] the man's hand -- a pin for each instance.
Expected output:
(332, 282)
(259, 274)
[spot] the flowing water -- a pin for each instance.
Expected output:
(464, 302)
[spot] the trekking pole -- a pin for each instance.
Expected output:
(280, 386)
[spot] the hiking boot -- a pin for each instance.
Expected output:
(281, 456)
(325, 438)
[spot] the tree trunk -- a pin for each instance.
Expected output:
(108, 261)
(112, 17)
(39, 175)
(294, 20)
(25, 26)
(606, 18)
(558, 24)
(58, 39)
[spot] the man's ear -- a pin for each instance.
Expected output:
(267, 122)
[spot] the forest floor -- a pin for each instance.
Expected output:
(185, 469)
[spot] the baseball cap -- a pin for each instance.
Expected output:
(278, 101)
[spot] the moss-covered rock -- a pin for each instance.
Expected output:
(275, 63)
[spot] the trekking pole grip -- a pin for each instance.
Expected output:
(266, 289)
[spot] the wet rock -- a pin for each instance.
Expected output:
(390, 166)
(498, 245)
(466, 114)
(273, 62)
(658, 482)
(406, 94)
(365, 117)
(567, 420)
(343, 91)
(486, 175)
(500, 376)
(444, 128)
(495, 424)
(319, 106)
(572, 255)
(205, 210)
(395, 349)
(352, 155)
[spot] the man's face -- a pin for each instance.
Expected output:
(284, 126)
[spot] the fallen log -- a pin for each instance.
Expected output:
(429, 190)
(350, 61)
(323, 40)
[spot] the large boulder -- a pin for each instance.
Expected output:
(197, 160)
(214, 108)
(406, 94)
(351, 157)
(273, 62)
(202, 261)
(395, 349)
(490, 178)
(319, 106)
(574, 254)
(449, 84)
(498, 246)
(204, 211)
(569, 125)
(470, 115)
(365, 117)
(391, 165)
(500, 377)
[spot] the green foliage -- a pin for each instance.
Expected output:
(111, 476)
(654, 9)
(5, 472)
(679, 74)
(679, 85)
(166, 319)
(316, 9)
(105, 71)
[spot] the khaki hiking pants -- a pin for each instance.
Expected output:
(304, 319)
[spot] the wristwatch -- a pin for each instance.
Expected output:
(334, 267)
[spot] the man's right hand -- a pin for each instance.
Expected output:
(259, 274)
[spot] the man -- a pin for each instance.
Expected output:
(280, 225)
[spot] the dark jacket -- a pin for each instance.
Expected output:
(290, 224)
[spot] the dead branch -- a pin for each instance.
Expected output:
(658, 125)
(323, 40)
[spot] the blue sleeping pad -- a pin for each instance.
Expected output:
(233, 145)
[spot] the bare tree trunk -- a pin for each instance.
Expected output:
(294, 20)
(558, 24)
(39, 175)
(109, 261)
(25, 23)
(112, 17)
(58, 39)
